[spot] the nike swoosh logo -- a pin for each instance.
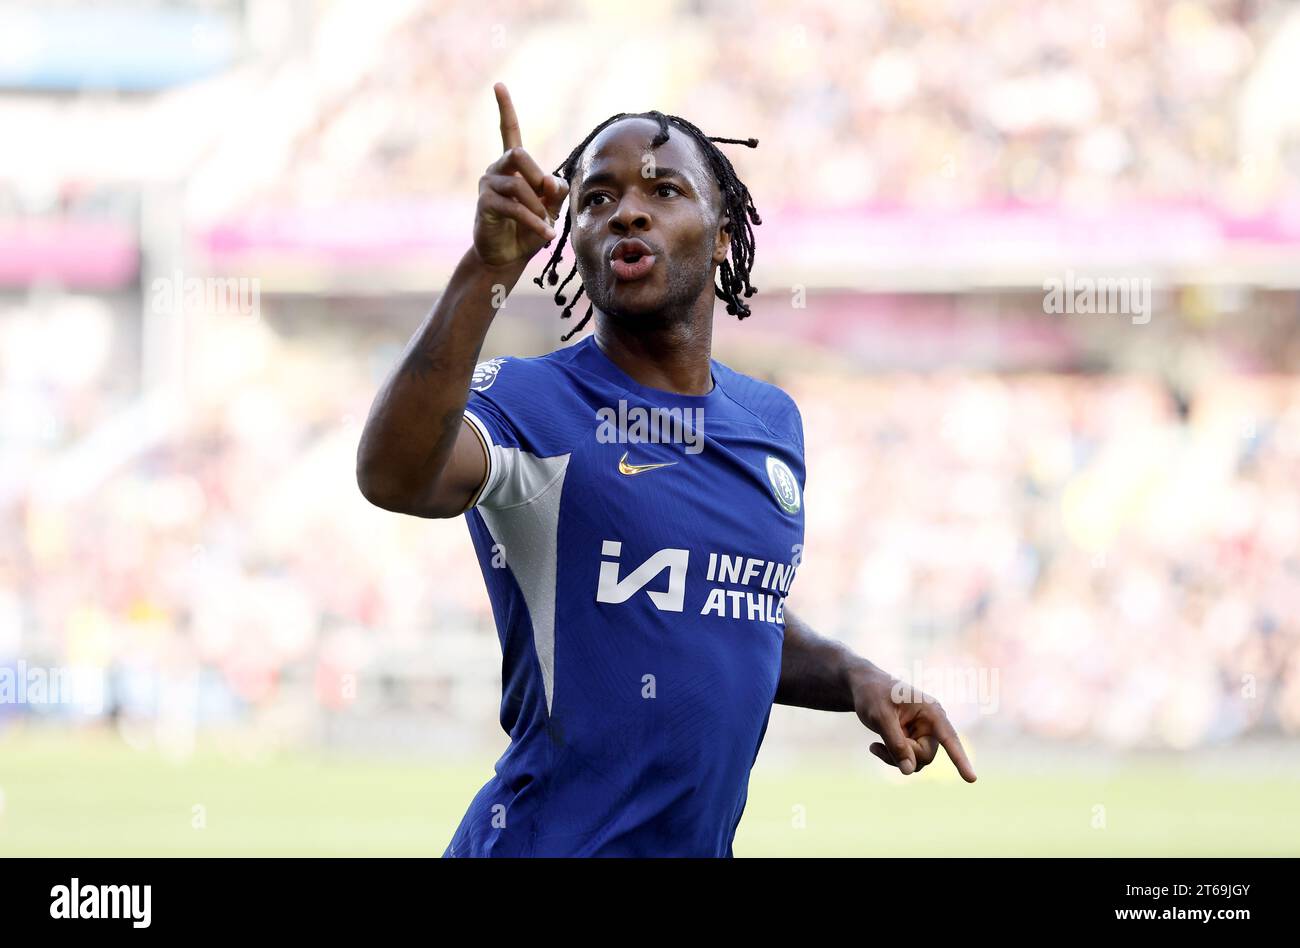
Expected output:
(625, 468)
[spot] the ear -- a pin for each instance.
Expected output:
(722, 243)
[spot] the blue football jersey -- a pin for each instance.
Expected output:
(637, 546)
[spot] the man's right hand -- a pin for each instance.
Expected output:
(517, 201)
(418, 454)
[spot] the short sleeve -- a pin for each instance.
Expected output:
(503, 412)
(475, 418)
(798, 426)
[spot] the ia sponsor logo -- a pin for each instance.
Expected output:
(763, 604)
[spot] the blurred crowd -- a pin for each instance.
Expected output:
(1106, 562)
(1070, 557)
(1119, 570)
(951, 102)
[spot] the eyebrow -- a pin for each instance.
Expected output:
(608, 177)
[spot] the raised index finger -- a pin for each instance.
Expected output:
(510, 137)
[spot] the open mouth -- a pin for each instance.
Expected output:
(631, 259)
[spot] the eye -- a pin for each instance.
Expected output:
(591, 197)
(670, 187)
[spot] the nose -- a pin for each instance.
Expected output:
(629, 216)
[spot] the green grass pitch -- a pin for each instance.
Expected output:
(65, 794)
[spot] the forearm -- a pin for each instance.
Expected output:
(818, 672)
(416, 415)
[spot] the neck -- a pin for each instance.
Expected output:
(673, 357)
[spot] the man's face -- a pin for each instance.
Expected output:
(668, 199)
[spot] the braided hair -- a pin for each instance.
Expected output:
(736, 204)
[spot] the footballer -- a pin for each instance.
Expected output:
(635, 505)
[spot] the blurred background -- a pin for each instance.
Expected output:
(220, 223)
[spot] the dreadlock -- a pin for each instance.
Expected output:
(736, 204)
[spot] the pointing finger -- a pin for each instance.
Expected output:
(956, 753)
(510, 135)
